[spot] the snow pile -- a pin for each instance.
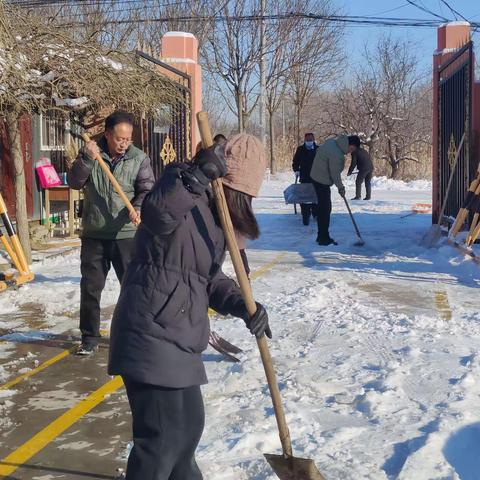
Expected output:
(384, 183)
(378, 183)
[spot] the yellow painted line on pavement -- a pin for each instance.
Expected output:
(268, 266)
(256, 274)
(31, 447)
(41, 367)
(35, 370)
(442, 305)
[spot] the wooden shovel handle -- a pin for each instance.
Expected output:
(112, 179)
(17, 247)
(475, 235)
(463, 212)
(246, 290)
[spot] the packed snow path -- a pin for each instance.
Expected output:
(376, 350)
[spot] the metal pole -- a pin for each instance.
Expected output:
(262, 109)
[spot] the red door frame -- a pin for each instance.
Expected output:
(6, 167)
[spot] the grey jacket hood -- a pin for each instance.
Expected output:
(342, 142)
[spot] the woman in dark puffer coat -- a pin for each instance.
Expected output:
(160, 326)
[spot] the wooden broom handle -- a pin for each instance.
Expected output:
(246, 289)
(113, 180)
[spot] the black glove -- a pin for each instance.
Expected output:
(258, 323)
(194, 180)
(211, 162)
(341, 191)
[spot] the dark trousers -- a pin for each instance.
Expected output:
(367, 178)
(96, 257)
(308, 209)
(324, 209)
(167, 426)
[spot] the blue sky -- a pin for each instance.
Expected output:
(424, 38)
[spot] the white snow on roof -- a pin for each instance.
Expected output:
(446, 50)
(179, 34)
(110, 63)
(70, 102)
(452, 24)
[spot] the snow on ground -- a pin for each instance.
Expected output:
(376, 347)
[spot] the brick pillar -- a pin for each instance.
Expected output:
(450, 37)
(180, 50)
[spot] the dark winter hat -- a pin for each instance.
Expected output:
(246, 164)
(354, 140)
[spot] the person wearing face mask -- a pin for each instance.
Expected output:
(107, 226)
(302, 163)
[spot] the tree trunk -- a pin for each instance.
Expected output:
(240, 111)
(298, 112)
(395, 170)
(273, 166)
(12, 119)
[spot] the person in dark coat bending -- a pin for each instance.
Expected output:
(302, 164)
(160, 326)
(361, 159)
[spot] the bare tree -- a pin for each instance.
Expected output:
(358, 108)
(387, 105)
(279, 65)
(317, 55)
(402, 88)
(231, 56)
(43, 67)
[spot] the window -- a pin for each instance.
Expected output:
(55, 130)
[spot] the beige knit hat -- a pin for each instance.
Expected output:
(246, 163)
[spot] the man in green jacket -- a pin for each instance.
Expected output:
(326, 171)
(107, 226)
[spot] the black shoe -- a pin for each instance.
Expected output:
(328, 241)
(356, 198)
(367, 198)
(86, 349)
(306, 218)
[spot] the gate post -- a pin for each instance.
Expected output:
(180, 50)
(450, 38)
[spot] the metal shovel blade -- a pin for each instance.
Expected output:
(293, 468)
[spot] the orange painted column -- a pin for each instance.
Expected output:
(180, 50)
(450, 38)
